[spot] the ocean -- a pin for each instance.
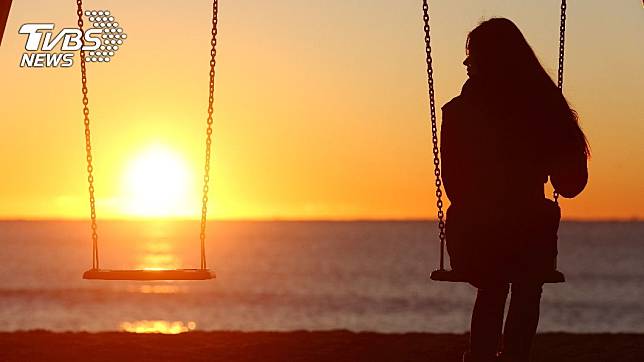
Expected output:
(282, 276)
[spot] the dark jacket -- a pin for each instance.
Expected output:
(496, 158)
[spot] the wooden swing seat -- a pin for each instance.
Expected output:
(444, 275)
(166, 274)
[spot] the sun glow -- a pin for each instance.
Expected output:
(158, 326)
(159, 183)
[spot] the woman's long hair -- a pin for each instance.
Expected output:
(504, 60)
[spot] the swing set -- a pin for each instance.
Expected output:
(203, 273)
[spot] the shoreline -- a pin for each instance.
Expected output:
(337, 345)
(625, 220)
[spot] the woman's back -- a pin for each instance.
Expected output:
(493, 153)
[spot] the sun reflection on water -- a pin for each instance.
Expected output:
(159, 256)
(157, 289)
(158, 247)
(158, 326)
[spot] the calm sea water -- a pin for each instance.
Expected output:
(360, 276)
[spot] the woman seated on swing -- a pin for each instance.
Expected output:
(502, 137)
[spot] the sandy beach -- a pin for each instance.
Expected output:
(298, 346)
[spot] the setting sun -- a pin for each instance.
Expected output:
(157, 182)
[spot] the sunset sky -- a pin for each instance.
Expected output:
(321, 107)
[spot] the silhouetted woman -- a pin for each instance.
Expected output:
(502, 137)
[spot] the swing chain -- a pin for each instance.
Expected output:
(211, 92)
(435, 150)
(562, 40)
(560, 69)
(88, 144)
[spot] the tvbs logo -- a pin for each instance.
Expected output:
(45, 49)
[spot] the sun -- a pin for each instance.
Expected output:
(158, 183)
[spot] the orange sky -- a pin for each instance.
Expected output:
(321, 107)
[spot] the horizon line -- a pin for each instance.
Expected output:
(277, 219)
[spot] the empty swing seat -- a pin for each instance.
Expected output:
(444, 275)
(167, 274)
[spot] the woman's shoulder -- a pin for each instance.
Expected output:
(460, 111)
(454, 104)
(459, 104)
(454, 107)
